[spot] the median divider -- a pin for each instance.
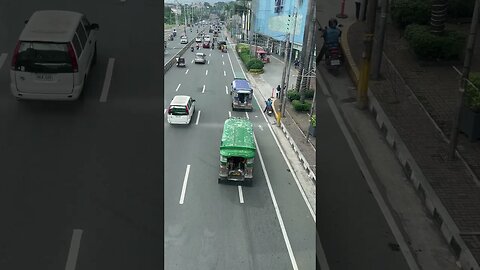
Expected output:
(172, 60)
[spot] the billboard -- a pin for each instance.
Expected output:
(274, 18)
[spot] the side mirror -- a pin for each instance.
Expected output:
(193, 100)
(94, 26)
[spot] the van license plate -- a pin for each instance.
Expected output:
(45, 77)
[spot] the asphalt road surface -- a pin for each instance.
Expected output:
(81, 181)
(221, 226)
(174, 46)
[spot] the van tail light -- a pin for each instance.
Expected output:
(73, 57)
(170, 110)
(186, 109)
(15, 55)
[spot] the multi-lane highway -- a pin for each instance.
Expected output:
(81, 182)
(215, 226)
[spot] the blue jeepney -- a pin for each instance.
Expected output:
(242, 94)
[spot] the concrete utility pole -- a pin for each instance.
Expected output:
(289, 63)
(379, 41)
(305, 48)
(362, 97)
(310, 49)
(463, 80)
(283, 93)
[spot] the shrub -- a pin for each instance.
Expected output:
(301, 107)
(405, 12)
(313, 121)
(255, 64)
(309, 93)
(472, 94)
(293, 95)
(429, 46)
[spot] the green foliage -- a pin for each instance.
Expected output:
(301, 107)
(405, 12)
(460, 8)
(309, 93)
(293, 95)
(254, 63)
(472, 94)
(313, 120)
(431, 47)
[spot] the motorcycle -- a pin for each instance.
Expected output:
(191, 49)
(333, 59)
(270, 110)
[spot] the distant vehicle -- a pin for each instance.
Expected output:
(183, 40)
(200, 58)
(237, 151)
(53, 56)
(181, 110)
(206, 38)
(198, 39)
(242, 95)
(206, 45)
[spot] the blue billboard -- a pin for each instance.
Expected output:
(274, 18)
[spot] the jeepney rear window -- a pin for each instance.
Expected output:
(178, 110)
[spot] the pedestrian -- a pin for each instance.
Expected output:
(358, 4)
(268, 105)
(278, 91)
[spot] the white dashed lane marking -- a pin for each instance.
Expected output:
(203, 89)
(187, 71)
(184, 187)
(226, 89)
(178, 87)
(240, 194)
(198, 117)
(224, 73)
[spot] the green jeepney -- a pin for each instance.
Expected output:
(237, 151)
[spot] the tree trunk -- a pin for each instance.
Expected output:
(439, 16)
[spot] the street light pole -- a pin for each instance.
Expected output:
(463, 80)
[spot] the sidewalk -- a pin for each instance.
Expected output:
(418, 100)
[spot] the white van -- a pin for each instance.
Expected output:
(181, 110)
(53, 56)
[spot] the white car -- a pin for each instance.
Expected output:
(181, 110)
(206, 38)
(183, 40)
(200, 58)
(198, 40)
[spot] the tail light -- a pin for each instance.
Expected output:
(73, 57)
(170, 110)
(15, 55)
(186, 109)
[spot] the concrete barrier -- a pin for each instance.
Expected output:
(413, 172)
(172, 60)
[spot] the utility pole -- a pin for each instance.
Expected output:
(289, 64)
(310, 48)
(362, 97)
(379, 41)
(463, 80)
(283, 90)
(305, 48)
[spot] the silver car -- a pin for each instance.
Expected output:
(200, 58)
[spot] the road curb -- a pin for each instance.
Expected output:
(413, 172)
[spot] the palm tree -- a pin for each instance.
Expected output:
(439, 16)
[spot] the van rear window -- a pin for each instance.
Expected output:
(42, 57)
(178, 110)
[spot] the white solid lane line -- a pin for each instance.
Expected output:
(187, 71)
(178, 87)
(206, 72)
(73, 251)
(164, 111)
(184, 187)
(277, 210)
(246, 113)
(108, 78)
(203, 90)
(198, 117)
(229, 114)
(240, 194)
(224, 73)
(3, 57)
(226, 89)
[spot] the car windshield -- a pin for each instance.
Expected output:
(178, 110)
